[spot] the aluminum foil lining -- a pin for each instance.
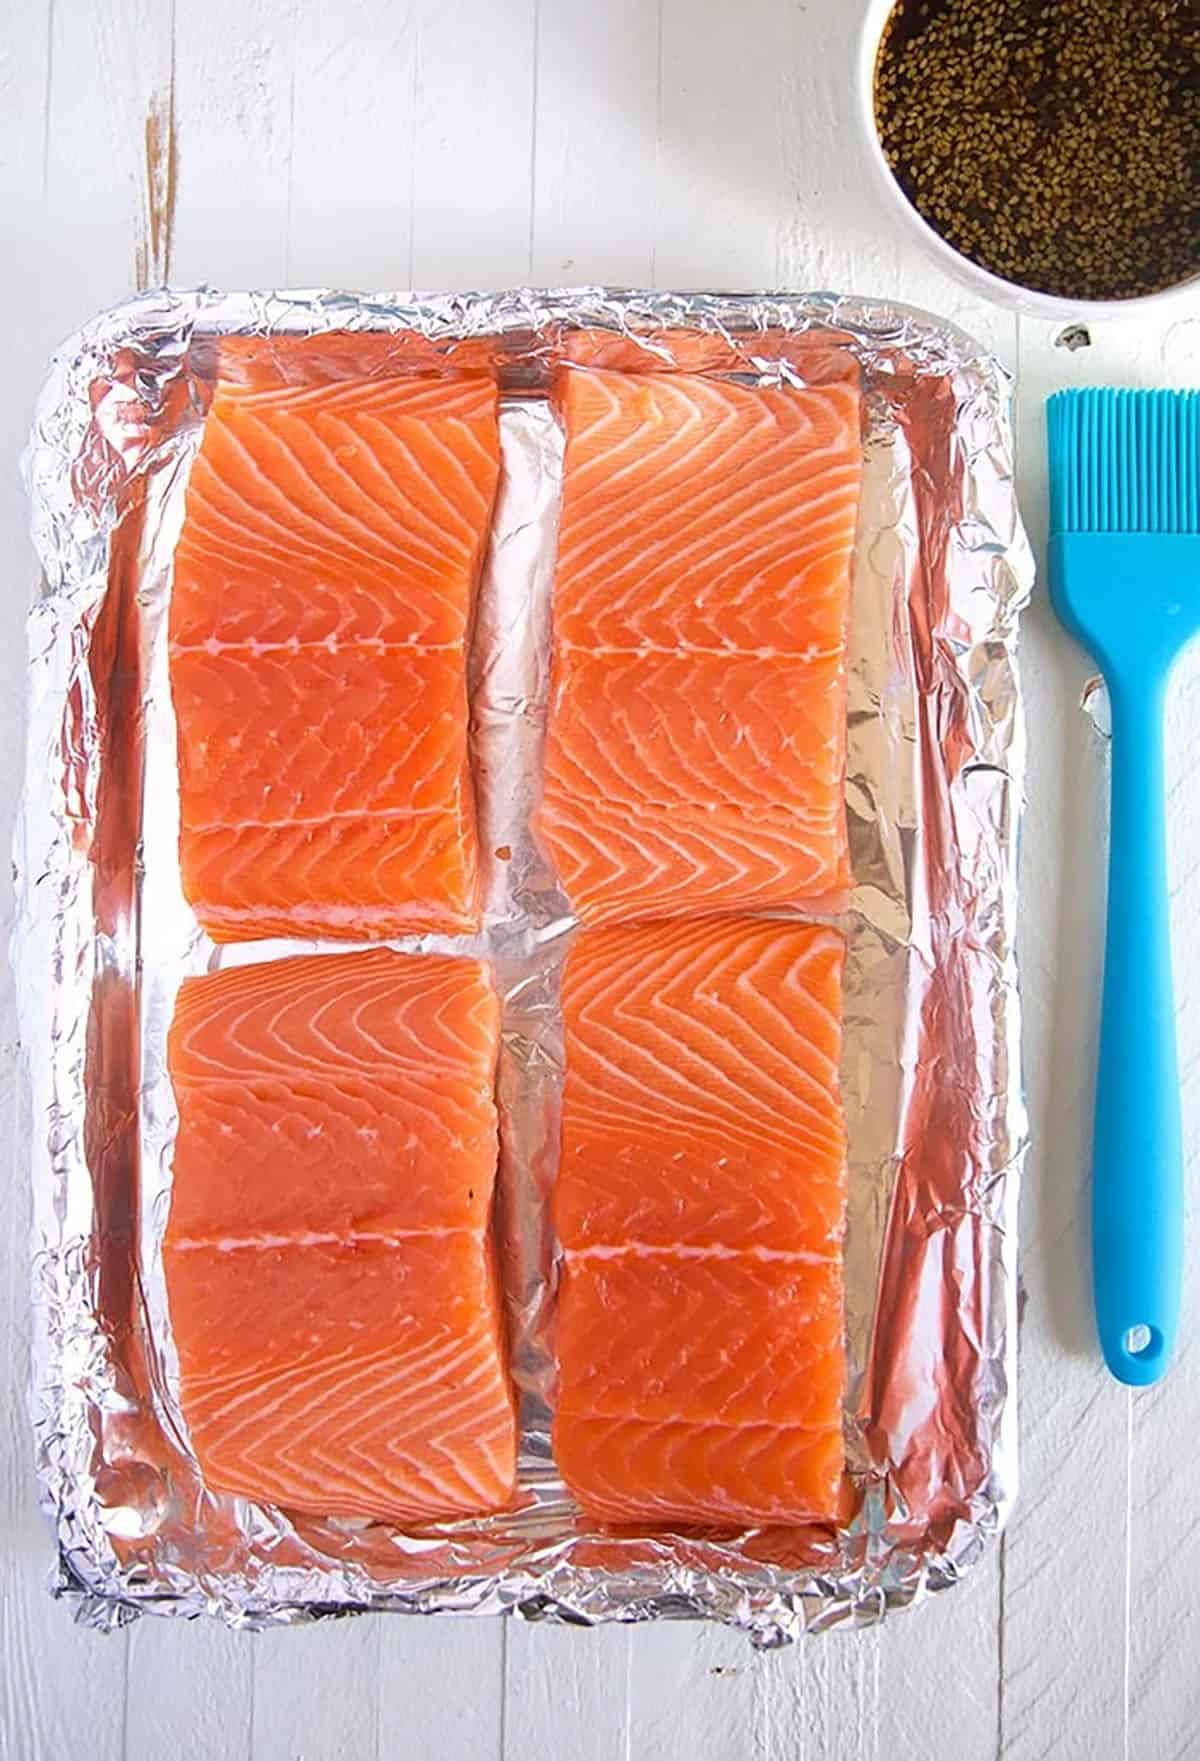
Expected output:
(931, 1063)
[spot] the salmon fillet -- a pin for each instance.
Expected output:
(700, 1205)
(697, 734)
(320, 613)
(626, 1471)
(329, 1265)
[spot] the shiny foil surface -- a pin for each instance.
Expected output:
(930, 1071)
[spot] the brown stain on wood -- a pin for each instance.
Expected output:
(154, 253)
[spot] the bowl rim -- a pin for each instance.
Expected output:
(1034, 302)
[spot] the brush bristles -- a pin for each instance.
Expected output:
(1124, 461)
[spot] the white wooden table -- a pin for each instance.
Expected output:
(683, 143)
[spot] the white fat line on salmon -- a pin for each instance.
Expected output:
(714, 1251)
(311, 1238)
(354, 813)
(331, 916)
(322, 645)
(686, 650)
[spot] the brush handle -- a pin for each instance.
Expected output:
(1137, 1156)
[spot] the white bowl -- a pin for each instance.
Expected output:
(1008, 293)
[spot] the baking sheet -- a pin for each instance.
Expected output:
(930, 1068)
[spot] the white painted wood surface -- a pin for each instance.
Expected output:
(385, 143)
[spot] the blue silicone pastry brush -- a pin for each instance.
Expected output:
(1125, 578)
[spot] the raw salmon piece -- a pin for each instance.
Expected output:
(763, 742)
(263, 881)
(701, 1104)
(627, 725)
(700, 1204)
(344, 1095)
(700, 609)
(617, 865)
(376, 489)
(320, 612)
(701, 1335)
(383, 746)
(702, 514)
(700, 1475)
(328, 1256)
(282, 727)
(349, 1379)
